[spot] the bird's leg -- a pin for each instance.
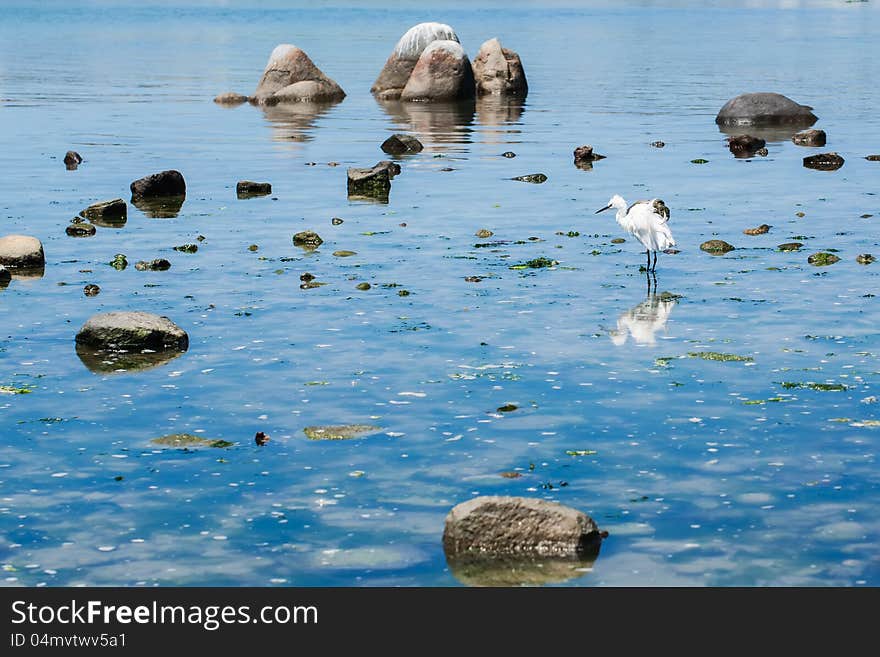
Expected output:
(648, 252)
(654, 266)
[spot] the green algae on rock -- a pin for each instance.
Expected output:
(716, 246)
(339, 431)
(187, 440)
(716, 355)
(823, 259)
(536, 263)
(810, 385)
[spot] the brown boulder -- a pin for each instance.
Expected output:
(402, 60)
(499, 71)
(443, 72)
(290, 76)
(810, 138)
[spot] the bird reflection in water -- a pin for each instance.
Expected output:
(643, 321)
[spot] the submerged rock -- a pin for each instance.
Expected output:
(484, 233)
(809, 138)
(508, 154)
(164, 183)
(716, 247)
(760, 230)
(363, 286)
(499, 71)
(187, 248)
(132, 330)
(764, 109)
(823, 259)
(658, 144)
(584, 157)
(307, 239)
(824, 161)
(339, 432)
(187, 441)
(400, 64)
(518, 526)
(790, 246)
(536, 178)
(159, 264)
(260, 438)
(72, 160)
(399, 144)
(91, 290)
(872, 158)
(111, 214)
(865, 258)
(80, 228)
(21, 252)
(249, 189)
(442, 73)
(745, 145)
(230, 98)
(119, 262)
(291, 76)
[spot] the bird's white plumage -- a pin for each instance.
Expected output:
(643, 222)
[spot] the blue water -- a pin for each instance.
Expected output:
(700, 477)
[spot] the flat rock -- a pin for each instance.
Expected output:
(499, 71)
(21, 252)
(824, 161)
(164, 183)
(112, 213)
(499, 526)
(249, 188)
(442, 73)
(339, 431)
(131, 331)
(716, 247)
(400, 63)
(400, 144)
(291, 76)
(810, 138)
(764, 109)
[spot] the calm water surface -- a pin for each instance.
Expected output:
(704, 472)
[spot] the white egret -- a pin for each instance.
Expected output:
(648, 221)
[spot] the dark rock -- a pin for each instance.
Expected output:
(744, 145)
(91, 290)
(21, 252)
(159, 264)
(291, 76)
(372, 182)
(164, 183)
(307, 239)
(508, 154)
(230, 98)
(536, 178)
(401, 144)
(824, 161)
(5, 276)
(187, 248)
(760, 230)
(400, 64)
(336, 221)
(584, 157)
(250, 189)
(119, 262)
(809, 138)
(499, 71)
(306, 277)
(822, 259)
(260, 438)
(111, 214)
(865, 258)
(443, 73)
(790, 246)
(764, 109)
(72, 160)
(763, 152)
(872, 158)
(658, 144)
(716, 247)
(131, 331)
(80, 229)
(518, 526)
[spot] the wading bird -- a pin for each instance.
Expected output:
(648, 221)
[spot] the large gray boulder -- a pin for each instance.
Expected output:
(442, 73)
(402, 60)
(518, 526)
(132, 331)
(21, 252)
(499, 71)
(764, 109)
(291, 76)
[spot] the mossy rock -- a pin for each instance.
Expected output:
(823, 259)
(716, 247)
(339, 431)
(790, 246)
(188, 441)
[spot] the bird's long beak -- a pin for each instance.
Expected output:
(603, 209)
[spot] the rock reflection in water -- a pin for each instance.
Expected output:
(101, 361)
(500, 118)
(482, 570)
(295, 121)
(163, 207)
(438, 122)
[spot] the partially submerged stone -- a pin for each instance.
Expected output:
(111, 214)
(823, 259)
(72, 160)
(872, 158)
(442, 73)
(484, 233)
(400, 144)
(307, 239)
(865, 258)
(810, 138)
(499, 71)
(162, 184)
(291, 76)
(339, 432)
(91, 290)
(760, 230)
(584, 156)
(188, 441)
(400, 64)
(132, 330)
(159, 264)
(518, 526)
(374, 182)
(716, 247)
(231, 98)
(764, 109)
(80, 228)
(790, 246)
(250, 189)
(21, 252)
(745, 145)
(536, 178)
(824, 161)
